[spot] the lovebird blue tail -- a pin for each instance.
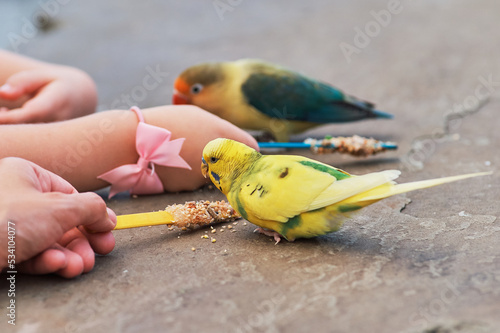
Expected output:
(382, 114)
(356, 109)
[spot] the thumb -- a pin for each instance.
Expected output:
(87, 209)
(25, 82)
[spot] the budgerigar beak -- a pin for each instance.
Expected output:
(204, 167)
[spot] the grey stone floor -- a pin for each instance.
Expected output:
(427, 261)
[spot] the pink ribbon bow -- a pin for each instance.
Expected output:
(154, 147)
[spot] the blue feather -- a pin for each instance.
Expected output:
(216, 176)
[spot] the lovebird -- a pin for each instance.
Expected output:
(294, 196)
(256, 95)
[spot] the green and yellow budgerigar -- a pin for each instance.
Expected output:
(258, 95)
(294, 196)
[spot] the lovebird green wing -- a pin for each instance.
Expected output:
(288, 95)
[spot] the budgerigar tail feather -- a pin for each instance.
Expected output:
(343, 189)
(389, 189)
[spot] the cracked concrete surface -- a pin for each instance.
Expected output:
(426, 261)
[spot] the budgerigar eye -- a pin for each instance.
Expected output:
(196, 88)
(213, 159)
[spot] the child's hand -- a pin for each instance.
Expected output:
(51, 93)
(56, 228)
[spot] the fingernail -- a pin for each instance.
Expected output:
(6, 88)
(112, 215)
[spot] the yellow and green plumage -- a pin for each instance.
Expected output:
(294, 196)
(258, 95)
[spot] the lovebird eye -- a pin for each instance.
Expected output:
(213, 159)
(196, 88)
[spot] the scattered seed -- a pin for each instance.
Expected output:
(193, 249)
(230, 227)
(213, 231)
(244, 223)
(235, 223)
(204, 236)
(213, 240)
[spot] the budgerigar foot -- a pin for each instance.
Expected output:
(274, 234)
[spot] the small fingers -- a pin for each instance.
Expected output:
(86, 257)
(16, 116)
(101, 242)
(44, 107)
(25, 82)
(8, 92)
(49, 261)
(74, 265)
(58, 260)
(71, 257)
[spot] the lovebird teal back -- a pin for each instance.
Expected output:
(288, 95)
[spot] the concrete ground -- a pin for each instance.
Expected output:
(427, 261)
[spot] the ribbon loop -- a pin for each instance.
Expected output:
(154, 147)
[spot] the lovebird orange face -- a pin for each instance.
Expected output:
(198, 85)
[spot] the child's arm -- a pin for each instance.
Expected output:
(81, 149)
(34, 91)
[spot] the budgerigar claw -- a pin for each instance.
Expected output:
(274, 234)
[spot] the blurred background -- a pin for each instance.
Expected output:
(431, 267)
(423, 44)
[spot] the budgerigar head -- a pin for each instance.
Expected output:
(225, 160)
(200, 85)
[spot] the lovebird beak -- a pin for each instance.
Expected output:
(181, 89)
(179, 98)
(204, 168)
